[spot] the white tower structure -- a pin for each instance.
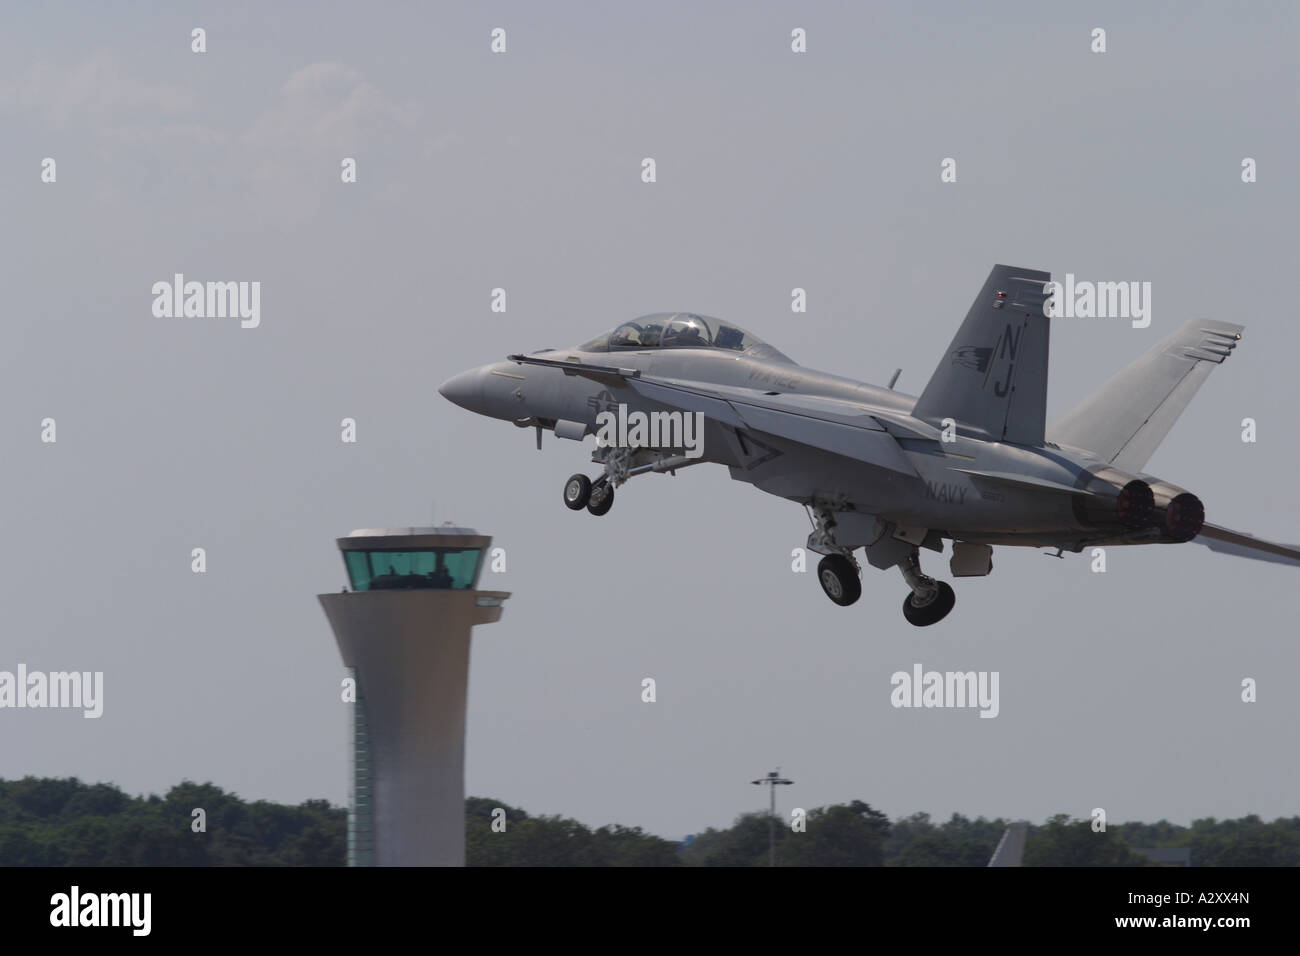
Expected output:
(404, 631)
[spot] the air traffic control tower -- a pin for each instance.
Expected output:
(404, 631)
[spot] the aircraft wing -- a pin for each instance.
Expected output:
(1242, 545)
(841, 428)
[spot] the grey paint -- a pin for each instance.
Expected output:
(847, 448)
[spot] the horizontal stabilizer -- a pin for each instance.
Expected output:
(1125, 420)
(1242, 545)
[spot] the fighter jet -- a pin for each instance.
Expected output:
(970, 461)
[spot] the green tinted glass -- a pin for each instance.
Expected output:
(426, 568)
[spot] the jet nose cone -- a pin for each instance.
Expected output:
(465, 389)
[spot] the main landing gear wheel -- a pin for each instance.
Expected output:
(934, 610)
(577, 490)
(601, 498)
(839, 579)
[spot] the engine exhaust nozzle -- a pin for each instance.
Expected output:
(1184, 517)
(1179, 514)
(1136, 504)
(1115, 500)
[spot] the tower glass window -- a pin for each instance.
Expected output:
(446, 568)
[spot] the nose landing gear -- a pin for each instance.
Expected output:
(576, 492)
(602, 497)
(596, 496)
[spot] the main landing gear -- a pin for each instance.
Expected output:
(839, 579)
(838, 572)
(930, 600)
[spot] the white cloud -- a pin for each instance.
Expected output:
(325, 111)
(94, 92)
(276, 167)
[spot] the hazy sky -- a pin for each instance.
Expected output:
(521, 170)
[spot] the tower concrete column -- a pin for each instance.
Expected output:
(404, 633)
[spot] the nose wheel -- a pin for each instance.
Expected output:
(581, 492)
(577, 490)
(602, 497)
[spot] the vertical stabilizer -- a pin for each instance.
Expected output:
(993, 377)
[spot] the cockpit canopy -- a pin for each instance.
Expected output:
(678, 330)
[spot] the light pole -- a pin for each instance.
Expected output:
(771, 781)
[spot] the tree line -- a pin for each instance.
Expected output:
(65, 822)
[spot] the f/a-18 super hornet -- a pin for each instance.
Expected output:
(971, 460)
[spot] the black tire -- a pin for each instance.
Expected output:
(602, 498)
(839, 579)
(577, 490)
(931, 613)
